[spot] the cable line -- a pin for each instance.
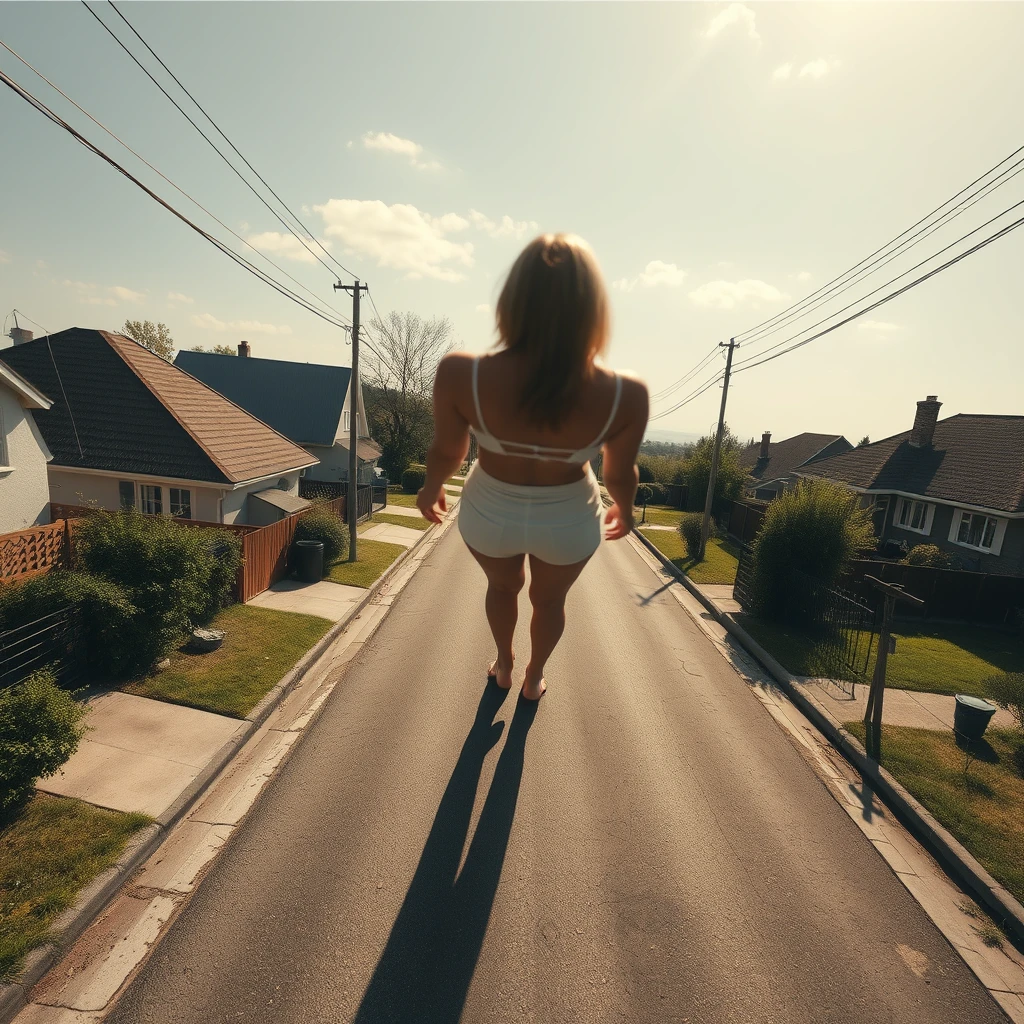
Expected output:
(665, 392)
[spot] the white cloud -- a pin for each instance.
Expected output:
(244, 226)
(41, 265)
(656, 273)
(209, 322)
(178, 297)
(819, 68)
(505, 228)
(802, 276)
(5, 256)
(399, 236)
(126, 294)
(783, 71)
(484, 307)
(283, 244)
(729, 294)
(390, 143)
(879, 326)
(91, 295)
(734, 14)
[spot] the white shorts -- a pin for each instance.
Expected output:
(560, 525)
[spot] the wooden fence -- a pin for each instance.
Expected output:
(745, 519)
(26, 553)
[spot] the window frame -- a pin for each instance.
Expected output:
(171, 503)
(121, 484)
(146, 502)
(907, 505)
(998, 531)
(5, 451)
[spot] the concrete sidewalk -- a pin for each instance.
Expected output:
(328, 600)
(404, 535)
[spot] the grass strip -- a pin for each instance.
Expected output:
(721, 557)
(374, 558)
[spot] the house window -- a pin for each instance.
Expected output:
(3, 441)
(977, 530)
(152, 499)
(181, 503)
(915, 515)
(126, 493)
(348, 422)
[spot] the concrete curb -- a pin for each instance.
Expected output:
(95, 897)
(1003, 907)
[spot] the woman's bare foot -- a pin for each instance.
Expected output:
(534, 689)
(501, 674)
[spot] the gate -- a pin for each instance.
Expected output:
(50, 641)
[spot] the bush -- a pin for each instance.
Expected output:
(322, 523)
(1007, 691)
(644, 495)
(932, 556)
(659, 496)
(40, 728)
(816, 529)
(413, 479)
(690, 529)
(729, 482)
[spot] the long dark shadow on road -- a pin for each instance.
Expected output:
(428, 962)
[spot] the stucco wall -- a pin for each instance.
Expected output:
(24, 493)
(73, 488)
(236, 504)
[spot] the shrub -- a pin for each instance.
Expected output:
(40, 728)
(729, 482)
(659, 495)
(322, 523)
(645, 469)
(933, 556)
(644, 494)
(1007, 690)
(413, 479)
(816, 529)
(689, 529)
(173, 575)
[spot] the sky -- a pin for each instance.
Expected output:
(723, 161)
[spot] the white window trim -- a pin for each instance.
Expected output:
(997, 538)
(4, 450)
(929, 516)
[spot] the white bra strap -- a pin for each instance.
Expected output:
(611, 416)
(476, 395)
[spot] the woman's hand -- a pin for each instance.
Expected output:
(432, 504)
(618, 523)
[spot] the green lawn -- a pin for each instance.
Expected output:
(982, 806)
(260, 645)
(720, 558)
(659, 515)
(936, 659)
(417, 523)
(374, 558)
(48, 852)
(398, 498)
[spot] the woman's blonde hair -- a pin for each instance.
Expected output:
(553, 310)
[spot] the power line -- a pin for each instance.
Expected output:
(212, 144)
(692, 396)
(893, 280)
(665, 392)
(771, 320)
(157, 171)
(888, 298)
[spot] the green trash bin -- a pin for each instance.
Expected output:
(309, 560)
(971, 716)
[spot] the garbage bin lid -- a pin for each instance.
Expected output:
(975, 702)
(309, 543)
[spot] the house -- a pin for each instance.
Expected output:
(24, 493)
(957, 483)
(772, 465)
(309, 403)
(127, 428)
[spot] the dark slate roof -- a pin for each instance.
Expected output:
(135, 413)
(785, 456)
(301, 400)
(973, 460)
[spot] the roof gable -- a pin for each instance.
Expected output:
(303, 401)
(787, 455)
(972, 460)
(30, 397)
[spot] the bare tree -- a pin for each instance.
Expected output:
(399, 382)
(156, 337)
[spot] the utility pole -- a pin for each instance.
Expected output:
(705, 526)
(353, 418)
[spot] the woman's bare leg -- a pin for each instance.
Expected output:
(549, 585)
(505, 578)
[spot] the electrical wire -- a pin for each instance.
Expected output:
(888, 298)
(212, 144)
(180, 190)
(745, 335)
(672, 388)
(692, 396)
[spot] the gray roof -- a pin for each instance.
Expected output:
(973, 460)
(303, 401)
(785, 456)
(282, 499)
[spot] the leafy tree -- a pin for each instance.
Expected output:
(399, 385)
(731, 475)
(220, 350)
(863, 441)
(156, 337)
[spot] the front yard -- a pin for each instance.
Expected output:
(260, 645)
(981, 803)
(721, 556)
(48, 852)
(374, 558)
(946, 659)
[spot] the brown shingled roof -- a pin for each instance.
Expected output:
(786, 455)
(239, 445)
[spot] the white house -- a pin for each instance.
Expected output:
(24, 492)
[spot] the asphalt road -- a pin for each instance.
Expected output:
(646, 845)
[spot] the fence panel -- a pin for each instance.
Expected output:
(30, 552)
(265, 554)
(51, 640)
(741, 590)
(745, 518)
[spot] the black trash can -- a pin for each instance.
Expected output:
(309, 560)
(971, 717)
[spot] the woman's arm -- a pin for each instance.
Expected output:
(620, 452)
(450, 446)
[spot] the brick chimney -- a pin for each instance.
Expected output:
(19, 335)
(243, 348)
(924, 422)
(766, 439)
